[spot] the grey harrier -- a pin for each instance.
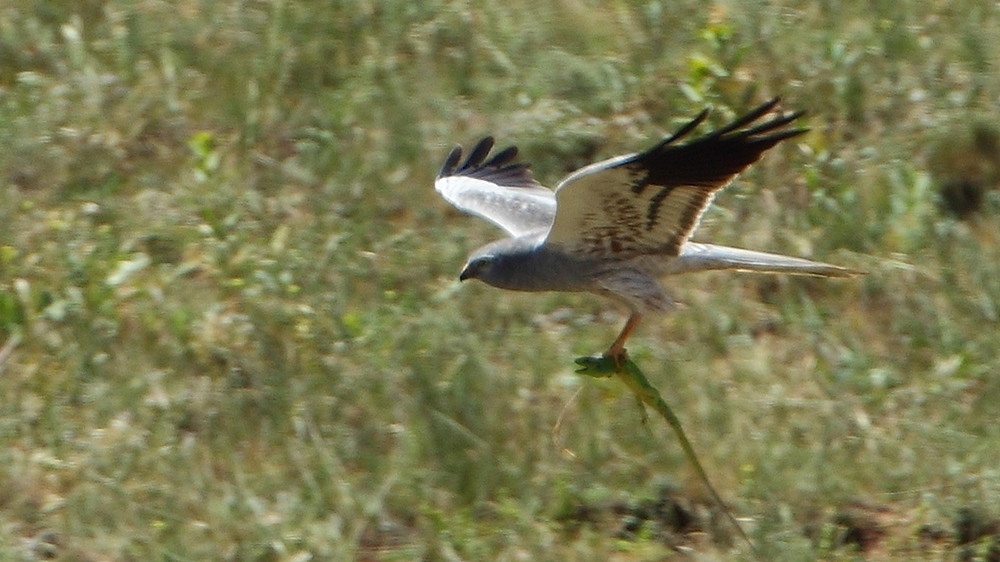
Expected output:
(616, 227)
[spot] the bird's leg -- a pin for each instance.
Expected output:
(617, 350)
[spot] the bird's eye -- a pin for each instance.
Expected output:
(480, 265)
(476, 267)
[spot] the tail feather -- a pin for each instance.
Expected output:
(705, 257)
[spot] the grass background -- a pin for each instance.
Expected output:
(232, 328)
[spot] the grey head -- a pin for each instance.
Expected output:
(524, 263)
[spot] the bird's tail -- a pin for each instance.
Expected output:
(704, 257)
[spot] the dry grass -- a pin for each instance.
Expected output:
(233, 329)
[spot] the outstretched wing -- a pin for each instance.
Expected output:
(497, 190)
(651, 202)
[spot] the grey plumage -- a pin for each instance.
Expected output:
(615, 227)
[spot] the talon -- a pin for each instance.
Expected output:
(618, 356)
(617, 352)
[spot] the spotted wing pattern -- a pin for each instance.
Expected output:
(651, 202)
(498, 190)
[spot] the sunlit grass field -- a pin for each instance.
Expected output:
(231, 326)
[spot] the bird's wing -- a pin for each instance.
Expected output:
(704, 257)
(651, 202)
(497, 190)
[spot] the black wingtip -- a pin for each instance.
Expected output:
(503, 157)
(751, 116)
(499, 168)
(479, 153)
(775, 124)
(712, 160)
(451, 162)
(742, 121)
(477, 157)
(688, 127)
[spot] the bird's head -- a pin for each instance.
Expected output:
(490, 264)
(477, 267)
(511, 263)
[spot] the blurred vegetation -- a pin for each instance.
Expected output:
(231, 329)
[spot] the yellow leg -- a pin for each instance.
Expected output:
(617, 350)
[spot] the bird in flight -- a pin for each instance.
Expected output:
(614, 228)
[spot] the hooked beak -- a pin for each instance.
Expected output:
(466, 274)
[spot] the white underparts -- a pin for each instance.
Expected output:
(640, 291)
